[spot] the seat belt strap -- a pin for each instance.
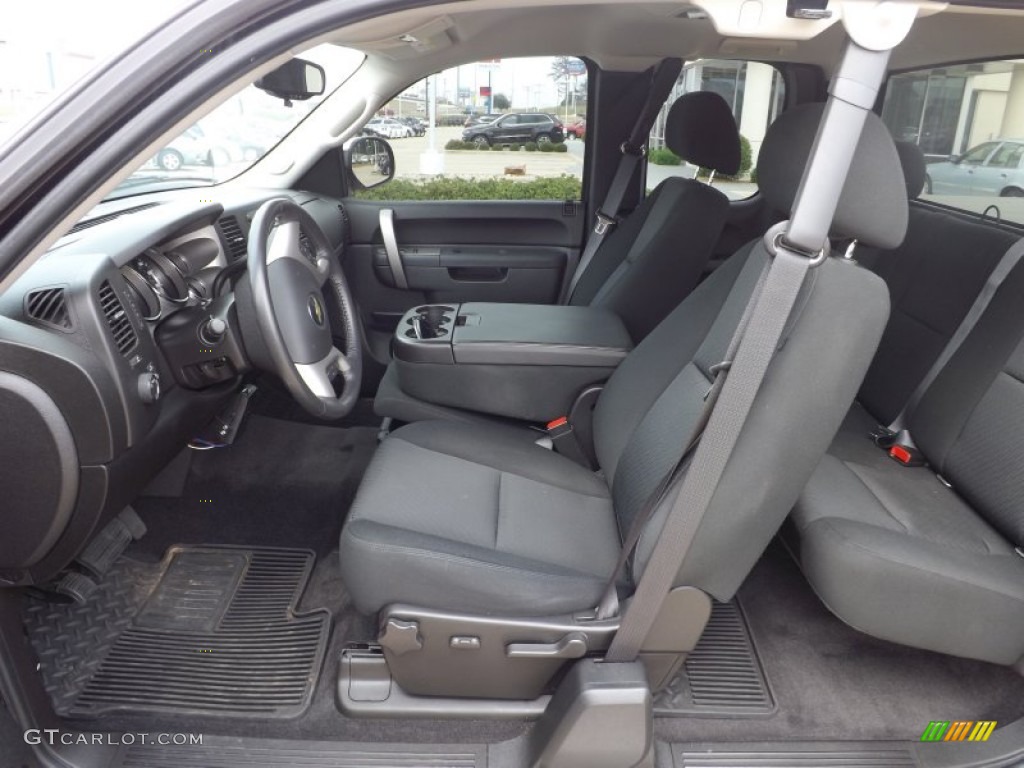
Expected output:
(609, 605)
(633, 150)
(754, 354)
(1006, 265)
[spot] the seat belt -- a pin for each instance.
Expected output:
(663, 78)
(755, 351)
(897, 433)
(609, 605)
(854, 87)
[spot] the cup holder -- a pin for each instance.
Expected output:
(430, 322)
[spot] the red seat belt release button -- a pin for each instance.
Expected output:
(901, 454)
(558, 425)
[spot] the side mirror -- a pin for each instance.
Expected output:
(955, 159)
(369, 161)
(295, 80)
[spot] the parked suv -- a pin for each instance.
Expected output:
(517, 128)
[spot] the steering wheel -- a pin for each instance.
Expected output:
(290, 268)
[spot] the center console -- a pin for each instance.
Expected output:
(523, 361)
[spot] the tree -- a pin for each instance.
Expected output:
(501, 101)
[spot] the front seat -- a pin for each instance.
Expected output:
(476, 519)
(655, 257)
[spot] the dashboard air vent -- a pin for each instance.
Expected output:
(233, 238)
(110, 217)
(117, 319)
(48, 306)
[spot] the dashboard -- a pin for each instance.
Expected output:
(116, 348)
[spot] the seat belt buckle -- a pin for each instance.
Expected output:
(906, 455)
(883, 437)
(604, 223)
(564, 440)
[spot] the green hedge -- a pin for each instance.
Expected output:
(450, 188)
(663, 156)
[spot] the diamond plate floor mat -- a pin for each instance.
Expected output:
(723, 676)
(210, 630)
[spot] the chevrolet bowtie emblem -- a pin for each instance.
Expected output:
(316, 309)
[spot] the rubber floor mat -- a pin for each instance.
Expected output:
(723, 675)
(210, 630)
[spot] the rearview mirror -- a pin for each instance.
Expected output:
(370, 162)
(295, 80)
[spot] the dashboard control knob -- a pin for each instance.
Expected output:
(149, 387)
(213, 330)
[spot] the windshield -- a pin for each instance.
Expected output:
(229, 140)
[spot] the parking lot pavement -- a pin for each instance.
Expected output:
(479, 164)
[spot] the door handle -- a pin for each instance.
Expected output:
(387, 231)
(572, 646)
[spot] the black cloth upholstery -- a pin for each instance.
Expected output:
(701, 129)
(895, 551)
(933, 278)
(656, 256)
(873, 205)
(469, 517)
(477, 518)
(914, 168)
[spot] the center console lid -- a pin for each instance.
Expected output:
(523, 361)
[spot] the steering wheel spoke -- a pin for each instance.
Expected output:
(320, 376)
(287, 240)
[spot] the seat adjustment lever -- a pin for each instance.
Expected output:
(572, 646)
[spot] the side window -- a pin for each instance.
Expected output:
(979, 154)
(1007, 156)
(489, 130)
(756, 93)
(968, 120)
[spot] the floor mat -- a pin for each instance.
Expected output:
(723, 676)
(281, 483)
(209, 630)
(269, 753)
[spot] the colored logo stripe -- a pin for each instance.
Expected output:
(935, 731)
(958, 730)
(982, 730)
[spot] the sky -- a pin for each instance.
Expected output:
(47, 45)
(98, 27)
(526, 81)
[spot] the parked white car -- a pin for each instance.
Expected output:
(388, 128)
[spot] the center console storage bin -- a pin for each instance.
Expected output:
(524, 361)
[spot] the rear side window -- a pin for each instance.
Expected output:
(756, 92)
(968, 119)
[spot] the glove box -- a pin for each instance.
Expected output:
(523, 361)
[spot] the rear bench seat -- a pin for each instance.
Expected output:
(931, 556)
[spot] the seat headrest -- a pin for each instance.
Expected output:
(700, 129)
(914, 167)
(873, 205)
